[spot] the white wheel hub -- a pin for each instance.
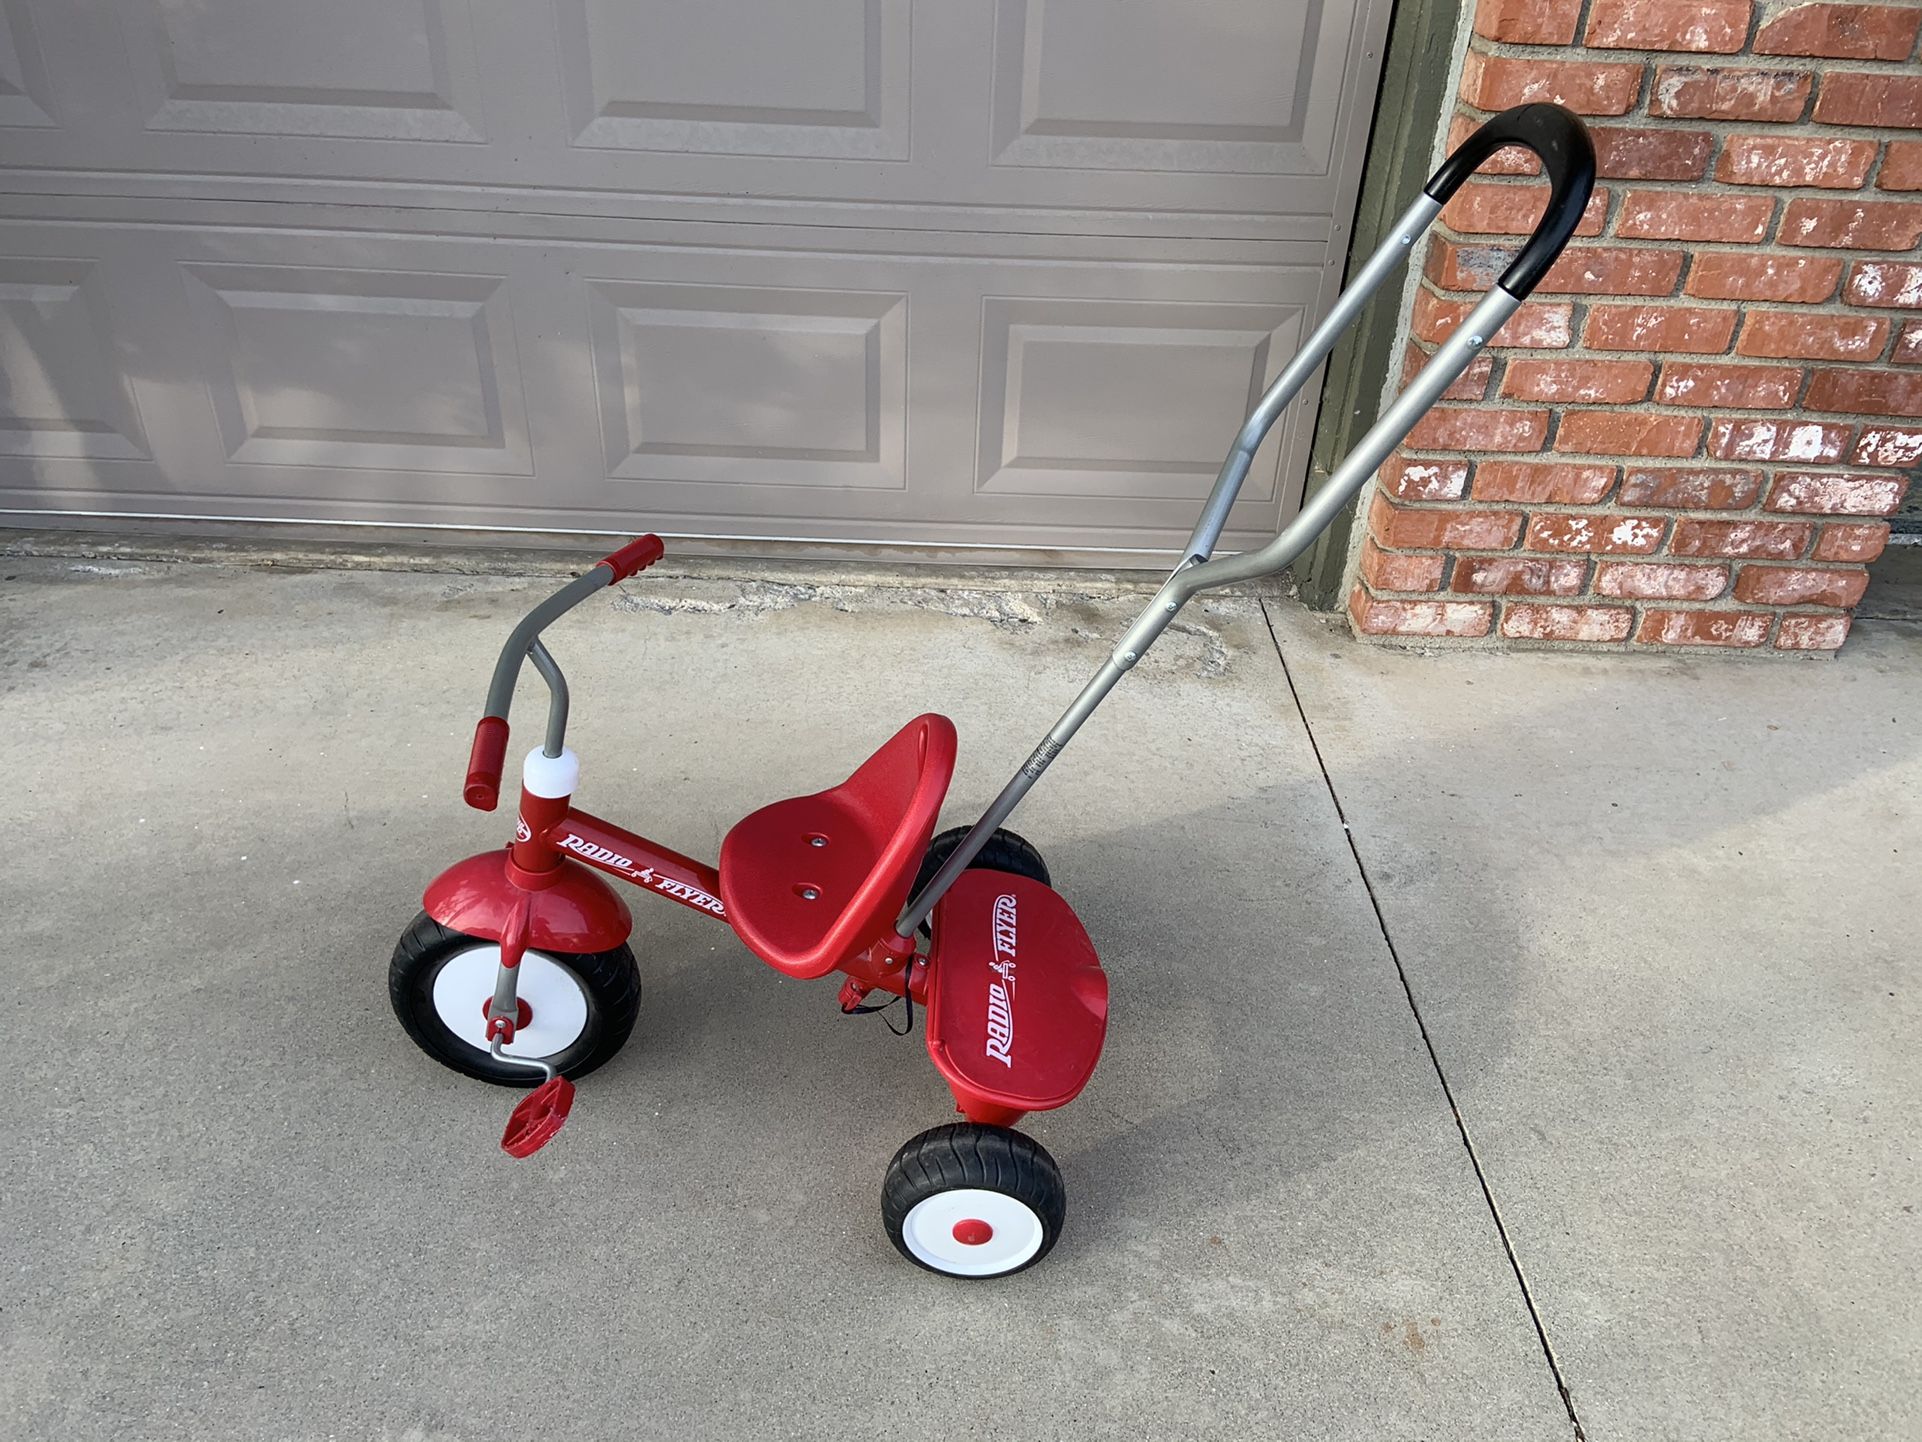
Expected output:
(556, 1000)
(972, 1232)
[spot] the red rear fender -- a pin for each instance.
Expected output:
(1017, 1000)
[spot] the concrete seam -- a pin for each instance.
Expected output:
(1428, 1042)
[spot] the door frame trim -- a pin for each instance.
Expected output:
(1411, 101)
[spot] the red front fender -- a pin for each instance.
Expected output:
(575, 912)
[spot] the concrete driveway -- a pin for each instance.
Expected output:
(1578, 1092)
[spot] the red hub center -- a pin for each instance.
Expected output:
(972, 1232)
(523, 1013)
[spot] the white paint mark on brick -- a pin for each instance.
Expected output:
(1805, 442)
(1631, 531)
(1889, 448)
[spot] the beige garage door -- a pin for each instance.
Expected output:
(955, 272)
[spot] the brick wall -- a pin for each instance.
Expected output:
(1688, 435)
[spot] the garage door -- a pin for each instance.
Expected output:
(953, 274)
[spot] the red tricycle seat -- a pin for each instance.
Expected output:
(811, 881)
(1017, 999)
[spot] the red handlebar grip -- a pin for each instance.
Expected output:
(483, 789)
(634, 556)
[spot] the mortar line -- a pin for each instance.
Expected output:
(1421, 1025)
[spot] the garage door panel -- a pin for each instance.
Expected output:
(64, 387)
(387, 370)
(373, 69)
(1124, 399)
(730, 383)
(24, 90)
(824, 78)
(1212, 85)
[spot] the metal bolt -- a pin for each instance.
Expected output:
(1129, 657)
(808, 893)
(817, 841)
(1474, 340)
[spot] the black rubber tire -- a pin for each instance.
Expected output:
(968, 1154)
(610, 980)
(1005, 851)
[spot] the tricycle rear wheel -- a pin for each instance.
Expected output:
(973, 1201)
(1006, 851)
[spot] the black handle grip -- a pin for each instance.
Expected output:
(1567, 155)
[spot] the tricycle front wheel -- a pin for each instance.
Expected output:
(577, 1010)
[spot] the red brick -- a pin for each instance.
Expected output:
(1537, 482)
(1866, 392)
(1852, 224)
(1423, 480)
(1494, 207)
(1888, 284)
(1375, 617)
(1568, 623)
(1908, 345)
(1800, 586)
(1479, 428)
(1403, 528)
(1831, 162)
(1660, 581)
(1691, 489)
(1628, 433)
(1538, 324)
(1812, 633)
(1681, 215)
(1528, 22)
(1755, 388)
(1841, 32)
(1608, 533)
(1852, 541)
(1395, 571)
(1749, 275)
(1626, 153)
(1717, 26)
(1765, 540)
(1470, 385)
(1582, 269)
(1873, 98)
(1519, 575)
(1679, 328)
(1690, 92)
(1802, 336)
(1493, 82)
(1595, 382)
(1831, 495)
(1705, 628)
(1901, 163)
(1887, 446)
(1777, 440)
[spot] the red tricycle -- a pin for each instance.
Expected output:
(519, 965)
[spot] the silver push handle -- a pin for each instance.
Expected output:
(1567, 154)
(1569, 158)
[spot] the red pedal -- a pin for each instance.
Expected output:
(541, 1113)
(1017, 999)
